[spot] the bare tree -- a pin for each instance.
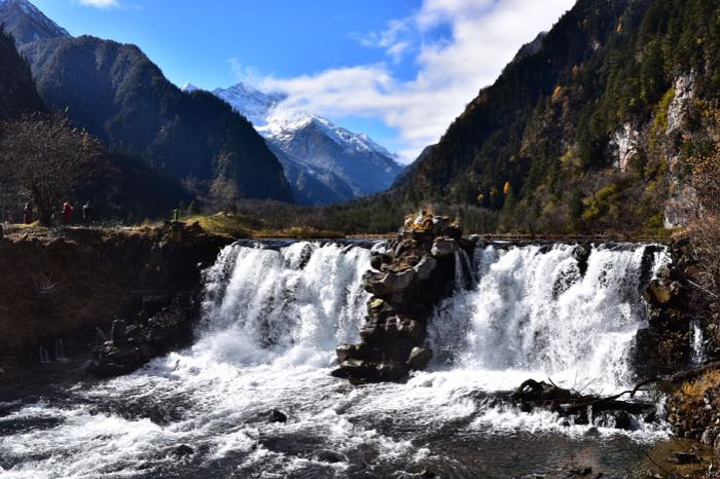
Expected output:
(704, 227)
(48, 157)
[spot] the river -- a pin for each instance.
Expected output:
(264, 349)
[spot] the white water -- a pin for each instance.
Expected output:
(533, 312)
(272, 322)
(698, 344)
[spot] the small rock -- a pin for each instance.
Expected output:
(118, 331)
(183, 450)
(623, 421)
(276, 415)
(656, 293)
(419, 358)
(443, 246)
(347, 351)
(326, 455)
(376, 304)
(386, 284)
(378, 259)
(684, 458)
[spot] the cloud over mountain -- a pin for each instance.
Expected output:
(458, 46)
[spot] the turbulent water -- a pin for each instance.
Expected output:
(272, 320)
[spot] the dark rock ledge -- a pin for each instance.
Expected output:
(416, 271)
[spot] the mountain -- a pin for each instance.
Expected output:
(124, 99)
(591, 127)
(405, 177)
(324, 162)
(17, 90)
(27, 23)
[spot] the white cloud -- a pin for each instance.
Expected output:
(99, 3)
(485, 35)
(244, 73)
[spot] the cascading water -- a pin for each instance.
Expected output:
(297, 304)
(534, 311)
(698, 343)
(272, 320)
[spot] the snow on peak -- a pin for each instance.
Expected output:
(189, 87)
(48, 28)
(276, 120)
(251, 102)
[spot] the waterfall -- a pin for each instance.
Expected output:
(537, 309)
(464, 277)
(533, 310)
(698, 354)
(298, 302)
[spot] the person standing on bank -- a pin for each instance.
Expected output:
(28, 213)
(87, 211)
(67, 212)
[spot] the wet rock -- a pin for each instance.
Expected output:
(425, 268)
(443, 246)
(275, 415)
(650, 417)
(386, 284)
(377, 260)
(412, 329)
(376, 304)
(360, 372)
(419, 358)
(392, 371)
(684, 458)
(347, 351)
(131, 347)
(183, 450)
(581, 253)
(118, 331)
(326, 455)
(656, 293)
(623, 421)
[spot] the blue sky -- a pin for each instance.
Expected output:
(399, 70)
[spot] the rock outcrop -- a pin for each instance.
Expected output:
(665, 345)
(694, 410)
(407, 280)
(131, 345)
(70, 285)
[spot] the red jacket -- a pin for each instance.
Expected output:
(67, 211)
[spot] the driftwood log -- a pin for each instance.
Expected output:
(566, 402)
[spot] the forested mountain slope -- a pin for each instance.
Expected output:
(17, 91)
(592, 130)
(120, 96)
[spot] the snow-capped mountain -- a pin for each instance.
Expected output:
(324, 162)
(27, 23)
